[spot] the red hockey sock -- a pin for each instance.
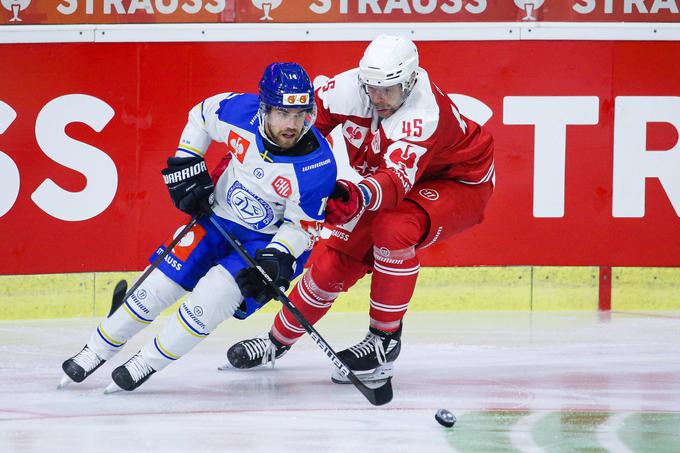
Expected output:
(312, 301)
(395, 234)
(394, 279)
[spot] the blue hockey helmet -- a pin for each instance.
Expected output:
(286, 86)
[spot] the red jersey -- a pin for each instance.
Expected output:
(425, 139)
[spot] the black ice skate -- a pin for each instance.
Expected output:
(373, 358)
(80, 366)
(255, 352)
(131, 374)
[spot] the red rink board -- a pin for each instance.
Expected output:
(151, 87)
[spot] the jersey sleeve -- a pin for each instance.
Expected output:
(326, 120)
(203, 126)
(304, 215)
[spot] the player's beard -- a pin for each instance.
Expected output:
(285, 138)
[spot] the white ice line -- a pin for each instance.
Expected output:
(607, 433)
(521, 433)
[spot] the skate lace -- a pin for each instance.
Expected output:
(369, 344)
(87, 359)
(138, 368)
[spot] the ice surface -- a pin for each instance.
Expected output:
(516, 381)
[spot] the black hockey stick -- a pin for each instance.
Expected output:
(117, 299)
(376, 396)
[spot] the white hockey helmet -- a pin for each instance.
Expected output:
(390, 60)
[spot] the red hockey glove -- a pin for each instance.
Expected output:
(345, 203)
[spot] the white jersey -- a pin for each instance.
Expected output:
(284, 196)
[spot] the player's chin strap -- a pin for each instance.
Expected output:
(377, 396)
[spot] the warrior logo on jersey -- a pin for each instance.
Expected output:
(354, 133)
(429, 194)
(237, 145)
(282, 186)
(249, 207)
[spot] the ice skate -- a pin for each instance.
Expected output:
(372, 359)
(80, 366)
(131, 374)
(255, 352)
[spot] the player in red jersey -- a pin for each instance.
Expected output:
(428, 173)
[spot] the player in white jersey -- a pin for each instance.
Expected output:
(271, 197)
(426, 173)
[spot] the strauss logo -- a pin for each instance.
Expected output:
(14, 6)
(529, 6)
(266, 6)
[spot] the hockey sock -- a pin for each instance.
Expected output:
(155, 294)
(215, 298)
(394, 279)
(312, 301)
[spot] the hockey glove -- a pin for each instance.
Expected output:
(188, 182)
(345, 203)
(277, 264)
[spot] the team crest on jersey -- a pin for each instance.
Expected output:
(282, 186)
(403, 159)
(237, 145)
(250, 208)
(354, 133)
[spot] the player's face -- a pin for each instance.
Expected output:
(385, 100)
(284, 126)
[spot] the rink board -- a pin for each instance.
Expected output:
(540, 288)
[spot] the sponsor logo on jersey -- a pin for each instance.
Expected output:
(141, 294)
(316, 165)
(354, 133)
(250, 208)
(183, 249)
(198, 310)
(259, 173)
(429, 194)
(295, 99)
(237, 145)
(282, 186)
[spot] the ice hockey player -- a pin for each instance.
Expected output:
(428, 173)
(271, 197)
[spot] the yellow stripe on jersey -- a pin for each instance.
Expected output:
(187, 328)
(134, 316)
(191, 150)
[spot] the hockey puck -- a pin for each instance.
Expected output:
(445, 418)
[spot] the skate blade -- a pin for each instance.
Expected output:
(112, 388)
(224, 367)
(65, 382)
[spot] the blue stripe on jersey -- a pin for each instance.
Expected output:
(241, 111)
(137, 314)
(202, 116)
(184, 150)
(316, 177)
(184, 320)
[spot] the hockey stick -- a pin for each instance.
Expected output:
(376, 396)
(117, 299)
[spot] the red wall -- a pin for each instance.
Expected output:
(151, 87)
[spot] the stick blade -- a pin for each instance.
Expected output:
(118, 296)
(379, 395)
